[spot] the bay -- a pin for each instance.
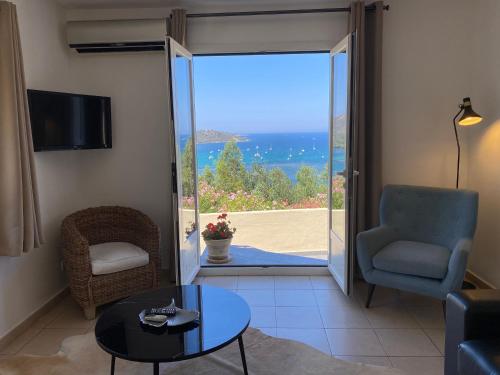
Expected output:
(288, 151)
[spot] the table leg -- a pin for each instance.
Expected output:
(156, 368)
(242, 352)
(113, 365)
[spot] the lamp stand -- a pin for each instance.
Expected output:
(458, 144)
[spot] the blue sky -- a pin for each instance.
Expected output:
(263, 93)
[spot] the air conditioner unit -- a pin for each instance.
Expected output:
(117, 35)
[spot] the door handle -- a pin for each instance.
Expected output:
(355, 173)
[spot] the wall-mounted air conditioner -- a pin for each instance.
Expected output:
(117, 35)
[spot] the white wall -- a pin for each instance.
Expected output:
(424, 79)
(435, 53)
(135, 171)
(27, 282)
(484, 140)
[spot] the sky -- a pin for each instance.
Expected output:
(271, 93)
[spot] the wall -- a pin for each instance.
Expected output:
(135, 172)
(423, 82)
(29, 281)
(484, 140)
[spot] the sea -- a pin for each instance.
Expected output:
(288, 151)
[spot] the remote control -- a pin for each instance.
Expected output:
(166, 311)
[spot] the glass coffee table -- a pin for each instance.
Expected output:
(224, 317)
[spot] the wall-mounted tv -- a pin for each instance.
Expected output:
(63, 121)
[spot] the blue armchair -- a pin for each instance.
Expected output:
(423, 241)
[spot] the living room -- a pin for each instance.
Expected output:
(433, 54)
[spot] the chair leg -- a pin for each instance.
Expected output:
(443, 302)
(371, 289)
(89, 312)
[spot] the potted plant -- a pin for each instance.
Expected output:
(218, 238)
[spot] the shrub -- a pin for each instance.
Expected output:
(272, 185)
(307, 185)
(230, 172)
(233, 188)
(187, 169)
(208, 176)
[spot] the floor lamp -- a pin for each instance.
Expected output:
(468, 118)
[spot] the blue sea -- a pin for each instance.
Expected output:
(277, 150)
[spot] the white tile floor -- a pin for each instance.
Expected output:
(400, 329)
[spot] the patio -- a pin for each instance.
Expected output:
(296, 237)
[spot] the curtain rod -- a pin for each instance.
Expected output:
(274, 12)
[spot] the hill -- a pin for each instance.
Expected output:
(216, 136)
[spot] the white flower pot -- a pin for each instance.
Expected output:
(218, 250)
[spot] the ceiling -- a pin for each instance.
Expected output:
(191, 3)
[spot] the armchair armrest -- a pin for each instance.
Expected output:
(75, 249)
(470, 314)
(457, 265)
(368, 243)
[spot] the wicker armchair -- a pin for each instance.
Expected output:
(108, 224)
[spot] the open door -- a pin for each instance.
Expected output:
(341, 187)
(184, 179)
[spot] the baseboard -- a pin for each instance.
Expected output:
(477, 281)
(31, 319)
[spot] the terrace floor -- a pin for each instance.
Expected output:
(282, 237)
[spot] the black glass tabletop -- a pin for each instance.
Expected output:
(224, 316)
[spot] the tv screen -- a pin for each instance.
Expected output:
(62, 121)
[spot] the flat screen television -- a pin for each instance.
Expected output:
(63, 121)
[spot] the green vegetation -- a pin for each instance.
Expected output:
(234, 188)
(187, 169)
(230, 172)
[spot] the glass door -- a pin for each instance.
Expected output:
(341, 186)
(185, 201)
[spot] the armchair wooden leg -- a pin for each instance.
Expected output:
(371, 289)
(89, 312)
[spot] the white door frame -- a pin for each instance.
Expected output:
(173, 50)
(344, 277)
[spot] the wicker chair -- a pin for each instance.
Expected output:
(108, 224)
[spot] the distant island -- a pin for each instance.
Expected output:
(216, 136)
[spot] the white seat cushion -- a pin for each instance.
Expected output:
(110, 257)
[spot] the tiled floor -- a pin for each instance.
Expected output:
(400, 329)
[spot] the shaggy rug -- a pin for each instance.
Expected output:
(265, 355)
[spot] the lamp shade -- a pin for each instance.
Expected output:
(469, 117)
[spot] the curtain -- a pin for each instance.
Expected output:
(178, 26)
(367, 114)
(20, 226)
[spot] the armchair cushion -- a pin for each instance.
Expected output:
(413, 258)
(111, 257)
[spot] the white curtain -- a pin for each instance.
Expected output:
(20, 226)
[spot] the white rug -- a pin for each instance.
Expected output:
(265, 355)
